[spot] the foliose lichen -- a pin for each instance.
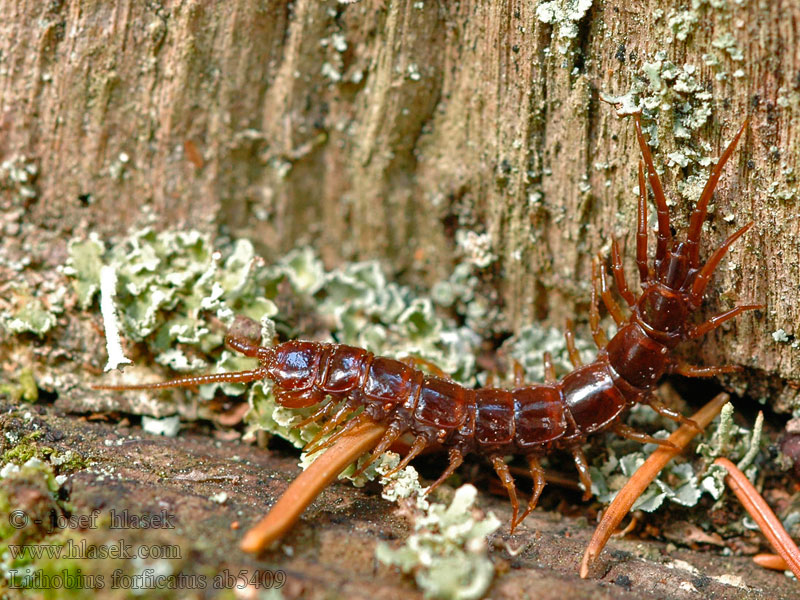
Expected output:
(447, 553)
(679, 482)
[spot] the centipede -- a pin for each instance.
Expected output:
(345, 386)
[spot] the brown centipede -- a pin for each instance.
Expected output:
(349, 386)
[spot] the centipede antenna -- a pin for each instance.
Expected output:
(700, 211)
(192, 381)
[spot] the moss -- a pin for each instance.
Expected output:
(25, 387)
(27, 448)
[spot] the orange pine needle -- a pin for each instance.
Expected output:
(643, 476)
(762, 514)
(771, 561)
(308, 485)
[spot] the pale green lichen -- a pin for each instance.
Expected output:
(679, 482)
(168, 284)
(726, 41)
(682, 23)
(564, 16)
(530, 344)
(448, 553)
(84, 261)
(30, 317)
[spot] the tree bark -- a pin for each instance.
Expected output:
(394, 129)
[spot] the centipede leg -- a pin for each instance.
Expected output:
(641, 229)
(417, 361)
(323, 410)
(694, 371)
(418, 446)
(519, 374)
(669, 413)
(456, 458)
(631, 434)
(704, 276)
(391, 434)
(619, 273)
(608, 299)
(508, 482)
(717, 320)
(599, 336)
(349, 426)
(339, 417)
(537, 474)
(549, 369)
(569, 335)
(583, 472)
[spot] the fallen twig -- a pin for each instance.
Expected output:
(762, 514)
(643, 476)
(308, 485)
(771, 561)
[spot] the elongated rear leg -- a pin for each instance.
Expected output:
(701, 208)
(664, 236)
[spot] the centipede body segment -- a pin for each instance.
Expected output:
(349, 386)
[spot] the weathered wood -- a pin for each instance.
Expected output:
(389, 129)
